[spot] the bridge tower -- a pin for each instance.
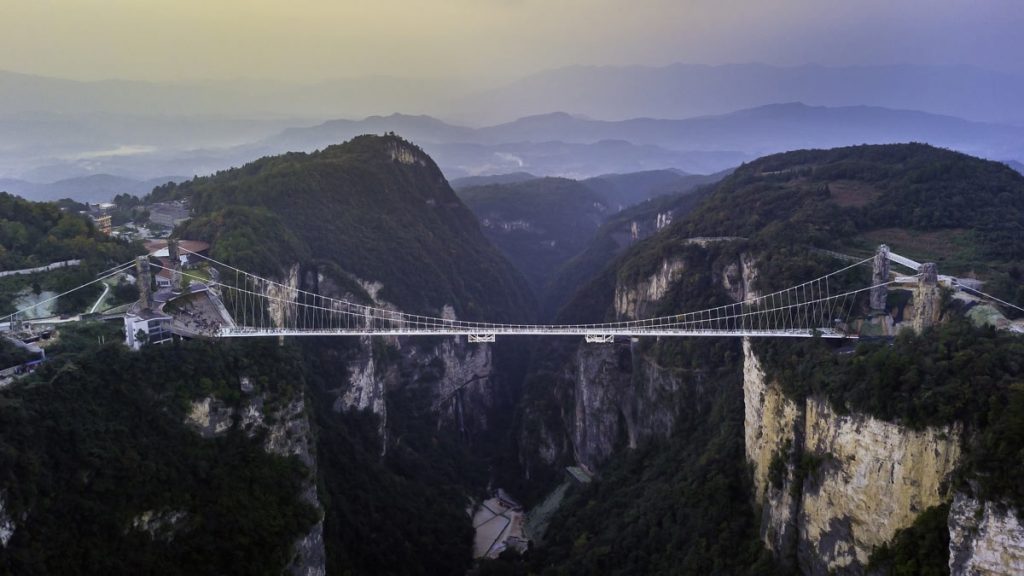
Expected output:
(144, 282)
(879, 275)
(175, 258)
(927, 298)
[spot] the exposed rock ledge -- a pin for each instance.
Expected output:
(985, 539)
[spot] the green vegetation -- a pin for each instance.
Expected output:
(908, 195)
(97, 438)
(785, 206)
(37, 233)
(539, 224)
(355, 209)
(401, 513)
(920, 550)
(610, 241)
(12, 355)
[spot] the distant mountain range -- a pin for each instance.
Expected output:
(53, 130)
(560, 144)
(95, 189)
(606, 92)
(686, 90)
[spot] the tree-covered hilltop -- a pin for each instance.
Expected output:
(927, 203)
(376, 208)
(35, 234)
(395, 473)
(99, 473)
(964, 213)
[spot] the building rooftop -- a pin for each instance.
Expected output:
(158, 248)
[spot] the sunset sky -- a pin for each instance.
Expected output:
(309, 40)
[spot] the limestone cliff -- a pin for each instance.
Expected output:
(773, 434)
(985, 538)
(286, 432)
(874, 478)
(739, 278)
(635, 300)
(836, 486)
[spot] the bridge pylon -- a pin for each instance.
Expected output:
(879, 276)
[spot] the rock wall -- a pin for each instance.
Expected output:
(288, 433)
(985, 539)
(843, 484)
(773, 433)
(635, 300)
(603, 392)
(874, 478)
(739, 277)
(7, 525)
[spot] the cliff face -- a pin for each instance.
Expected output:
(843, 484)
(985, 538)
(287, 432)
(875, 477)
(634, 300)
(773, 434)
(7, 525)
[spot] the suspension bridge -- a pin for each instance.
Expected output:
(247, 305)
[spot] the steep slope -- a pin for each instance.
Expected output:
(617, 234)
(103, 459)
(542, 224)
(538, 224)
(409, 429)
(847, 448)
(376, 208)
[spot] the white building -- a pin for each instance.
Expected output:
(155, 328)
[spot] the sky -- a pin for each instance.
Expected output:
(313, 40)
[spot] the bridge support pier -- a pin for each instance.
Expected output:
(480, 338)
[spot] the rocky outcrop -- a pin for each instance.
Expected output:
(603, 390)
(278, 296)
(739, 277)
(985, 539)
(366, 385)
(160, 525)
(622, 397)
(773, 434)
(286, 432)
(833, 487)
(635, 300)
(7, 525)
(405, 154)
(873, 478)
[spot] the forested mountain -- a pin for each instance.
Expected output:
(407, 428)
(693, 412)
(540, 224)
(709, 455)
(375, 208)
